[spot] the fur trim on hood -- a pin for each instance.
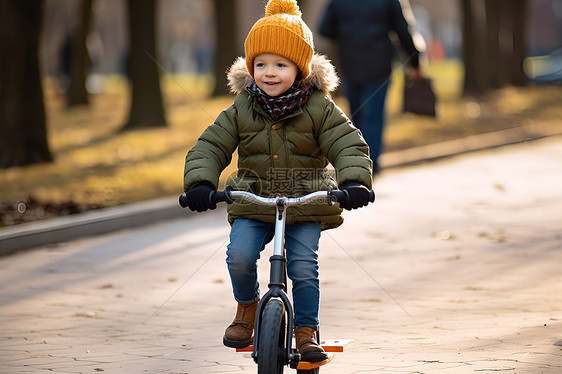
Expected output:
(322, 75)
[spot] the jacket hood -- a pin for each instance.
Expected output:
(322, 75)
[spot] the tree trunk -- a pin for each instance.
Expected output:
(474, 41)
(517, 76)
(79, 66)
(23, 138)
(226, 42)
(495, 51)
(494, 44)
(147, 108)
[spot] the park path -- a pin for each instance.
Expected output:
(455, 269)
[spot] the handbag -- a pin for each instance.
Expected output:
(419, 97)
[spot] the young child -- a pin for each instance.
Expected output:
(286, 129)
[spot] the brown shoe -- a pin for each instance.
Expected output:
(240, 333)
(307, 345)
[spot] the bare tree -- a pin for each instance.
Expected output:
(80, 62)
(506, 41)
(147, 108)
(494, 43)
(226, 42)
(518, 10)
(23, 134)
(495, 55)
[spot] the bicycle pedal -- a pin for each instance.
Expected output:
(335, 345)
(249, 348)
(305, 365)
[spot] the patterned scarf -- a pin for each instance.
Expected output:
(284, 104)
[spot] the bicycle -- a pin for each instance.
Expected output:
(273, 332)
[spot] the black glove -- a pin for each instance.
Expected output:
(199, 197)
(357, 195)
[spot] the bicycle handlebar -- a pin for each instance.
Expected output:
(229, 195)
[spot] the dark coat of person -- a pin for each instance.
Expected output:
(362, 28)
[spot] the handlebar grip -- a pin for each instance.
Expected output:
(183, 201)
(341, 196)
(220, 196)
(216, 197)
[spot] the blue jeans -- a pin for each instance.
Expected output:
(248, 238)
(366, 104)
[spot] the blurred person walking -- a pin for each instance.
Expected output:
(366, 51)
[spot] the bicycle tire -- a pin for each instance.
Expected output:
(271, 339)
(311, 371)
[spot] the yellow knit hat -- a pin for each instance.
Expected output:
(282, 31)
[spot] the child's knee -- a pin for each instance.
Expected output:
(303, 270)
(240, 259)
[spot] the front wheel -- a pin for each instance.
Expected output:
(311, 371)
(272, 339)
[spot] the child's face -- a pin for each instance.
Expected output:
(274, 74)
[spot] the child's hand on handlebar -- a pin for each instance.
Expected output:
(357, 195)
(199, 197)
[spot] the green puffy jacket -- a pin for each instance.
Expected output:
(288, 156)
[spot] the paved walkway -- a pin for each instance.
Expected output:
(455, 269)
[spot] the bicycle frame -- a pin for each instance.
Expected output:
(278, 269)
(277, 286)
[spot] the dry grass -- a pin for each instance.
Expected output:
(97, 165)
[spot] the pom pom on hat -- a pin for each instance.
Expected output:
(289, 7)
(282, 31)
